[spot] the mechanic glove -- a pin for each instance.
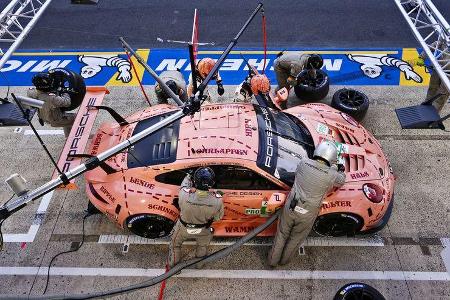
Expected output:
(420, 61)
(220, 89)
(292, 81)
(341, 168)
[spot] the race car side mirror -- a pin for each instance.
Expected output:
(275, 201)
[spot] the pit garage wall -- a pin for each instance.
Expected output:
(111, 68)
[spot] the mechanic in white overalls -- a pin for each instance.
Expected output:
(199, 208)
(313, 179)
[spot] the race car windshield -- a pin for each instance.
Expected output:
(283, 142)
(294, 143)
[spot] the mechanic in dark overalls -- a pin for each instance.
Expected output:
(175, 81)
(199, 208)
(288, 65)
(61, 90)
(313, 179)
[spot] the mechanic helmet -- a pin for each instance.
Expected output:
(43, 82)
(161, 93)
(205, 65)
(203, 178)
(260, 83)
(315, 61)
(326, 151)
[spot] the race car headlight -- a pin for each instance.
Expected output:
(373, 192)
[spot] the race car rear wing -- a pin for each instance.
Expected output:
(79, 134)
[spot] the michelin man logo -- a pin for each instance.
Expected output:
(371, 65)
(95, 63)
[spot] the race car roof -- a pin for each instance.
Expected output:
(220, 131)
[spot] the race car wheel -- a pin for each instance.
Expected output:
(310, 89)
(149, 226)
(91, 209)
(358, 291)
(338, 224)
(351, 102)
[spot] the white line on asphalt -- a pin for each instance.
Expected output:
(231, 274)
(372, 241)
(32, 231)
(45, 132)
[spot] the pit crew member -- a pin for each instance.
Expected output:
(314, 178)
(176, 82)
(203, 67)
(199, 208)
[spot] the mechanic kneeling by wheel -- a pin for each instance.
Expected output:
(313, 179)
(199, 208)
(61, 90)
(288, 65)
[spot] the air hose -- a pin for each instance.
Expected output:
(177, 268)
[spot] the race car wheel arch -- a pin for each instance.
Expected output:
(358, 290)
(149, 226)
(338, 224)
(351, 102)
(312, 90)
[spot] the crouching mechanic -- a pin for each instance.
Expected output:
(258, 84)
(288, 65)
(199, 208)
(175, 81)
(203, 67)
(313, 179)
(61, 90)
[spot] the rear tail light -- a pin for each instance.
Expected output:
(373, 192)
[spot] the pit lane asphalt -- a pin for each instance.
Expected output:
(309, 23)
(412, 239)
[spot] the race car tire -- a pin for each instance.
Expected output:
(358, 290)
(92, 210)
(338, 224)
(351, 102)
(149, 226)
(312, 90)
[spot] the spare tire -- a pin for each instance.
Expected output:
(358, 290)
(73, 83)
(312, 89)
(351, 102)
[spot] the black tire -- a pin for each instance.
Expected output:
(312, 90)
(91, 209)
(358, 291)
(338, 224)
(149, 226)
(351, 102)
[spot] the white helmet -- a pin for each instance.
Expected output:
(327, 151)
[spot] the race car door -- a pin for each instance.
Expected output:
(245, 196)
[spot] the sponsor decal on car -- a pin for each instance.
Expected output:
(142, 182)
(163, 209)
(326, 205)
(324, 129)
(107, 194)
(359, 175)
(239, 229)
(221, 151)
(252, 211)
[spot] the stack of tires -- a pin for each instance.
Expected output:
(349, 101)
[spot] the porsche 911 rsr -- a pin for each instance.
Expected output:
(254, 152)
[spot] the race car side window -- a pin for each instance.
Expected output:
(240, 178)
(173, 177)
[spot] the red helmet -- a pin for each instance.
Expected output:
(260, 83)
(205, 65)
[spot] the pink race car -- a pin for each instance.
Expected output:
(254, 151)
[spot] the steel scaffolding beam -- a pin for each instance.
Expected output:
(16, 21)
(431, 31)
